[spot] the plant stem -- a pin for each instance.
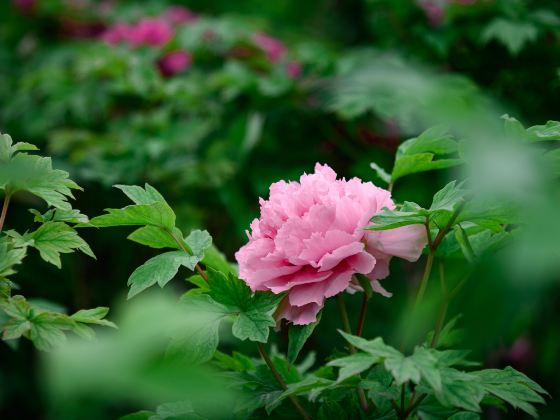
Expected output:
(280, 381)
(344, 317)
(362, 317)
(7, 198)
(184, 248)
(402, 399)
(444, 306)
(424, 281)
(347, 329)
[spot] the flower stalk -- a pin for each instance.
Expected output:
(280, 380)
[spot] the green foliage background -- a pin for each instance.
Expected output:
(211, 139)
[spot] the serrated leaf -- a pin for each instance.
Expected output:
(427, 364)
(353, 364)
(460, 390)
(159, 269)
(93, 316)
(155, 214)
(139, 195)
(10, 257)
(513, 387)
(253, 312)
(549, 131)
(199, 241)
(52, 239)
(448, 198)
(408, 214)
(8, 148)
(308, 384)
(36, 175)
(298, 335)
(197, 341)
(155, 237)
(375, 347)
(512, 34)
(421, 153)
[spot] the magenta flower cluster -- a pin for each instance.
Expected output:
(310, 240)
(155, 32)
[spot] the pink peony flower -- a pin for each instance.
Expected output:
(293, 68)
(273, 48)
(174, 62)
(178, 15)
(150, 31)
(25, 6)
(434, 11)
(116, 34)
(310, 240)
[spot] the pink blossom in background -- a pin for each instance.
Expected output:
(178, 15)
(25, 5)
(117, 33)
(293, 68)
(174, 62)
(433, 10)
(272, 47)
(150, 31)
(310, 240)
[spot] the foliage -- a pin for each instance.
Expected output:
(23, 172)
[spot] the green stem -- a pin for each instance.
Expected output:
(344, 317)
(347, 329)
(5, 209)
(184, 248)
(425, 278)
(281, 382)
(362, 317)
(444, 306)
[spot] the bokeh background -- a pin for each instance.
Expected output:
(212, 101)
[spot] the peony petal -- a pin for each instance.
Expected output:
(405, 242)
(302, 315)
(332, 259)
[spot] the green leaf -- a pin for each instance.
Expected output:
(198, 340)
(375, 347)
(155, 237)
(139, 195)
(35, 175)
(8, 149)
(215, 259)
(419, 154)
(513, 387)
(448, 198)
(199, 241)
(298, 335)
(381, 173)
(465, 415)
(93, 316)
(59, 215)
(48, 328)
(460, 390)
(159, 269)
(9, 256)
(331, 410)
(403, 369)
(353, 364)
(139, 415)
(549, 131)
(512, 34)
(155, 214)
(308, 384)
(52, 239)
(427, 364)
(253, 312)
(408, 214)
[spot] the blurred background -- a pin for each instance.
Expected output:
(212, 101)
